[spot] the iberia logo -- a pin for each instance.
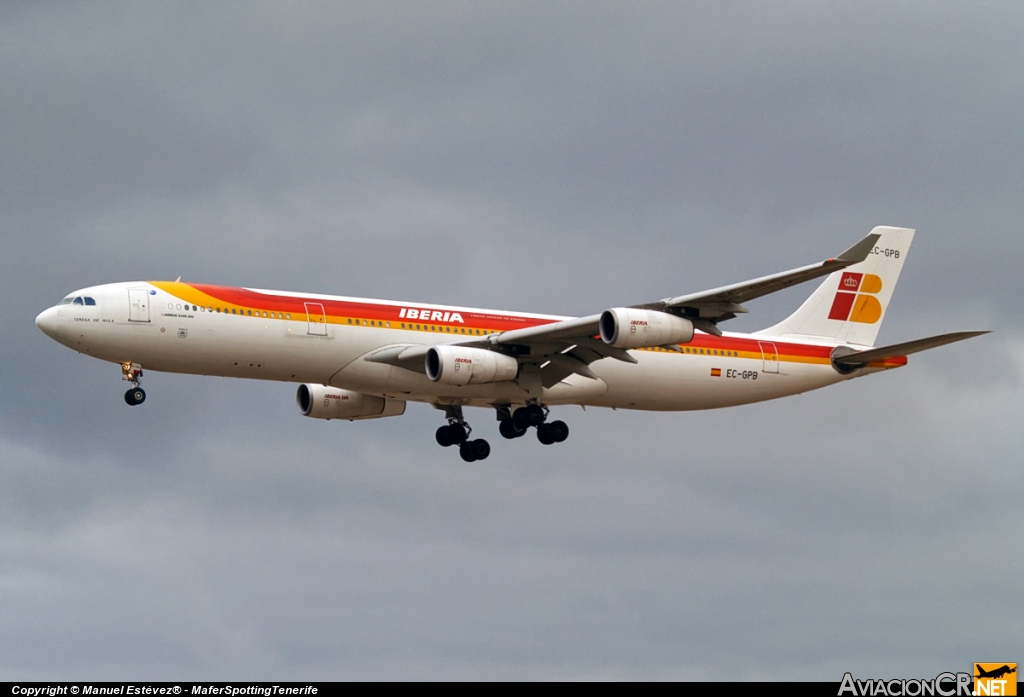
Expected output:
(995, 679)
(855, 299)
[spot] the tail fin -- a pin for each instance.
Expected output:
(850, 305)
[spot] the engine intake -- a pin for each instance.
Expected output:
(460, 365)
(625, 327)
(322, 402)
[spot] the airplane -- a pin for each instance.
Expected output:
(358, 358)
(994, 673)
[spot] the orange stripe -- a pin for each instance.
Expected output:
(345, 312)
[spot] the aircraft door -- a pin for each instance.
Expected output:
(138, 305)
(316, 319)
(770, 355)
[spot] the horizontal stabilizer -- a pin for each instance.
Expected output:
(857, 359)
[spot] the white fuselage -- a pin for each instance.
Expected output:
(319, 339)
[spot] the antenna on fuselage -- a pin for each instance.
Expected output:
(178, 280)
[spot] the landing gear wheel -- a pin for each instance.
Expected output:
(473, 450)
(519, 419)
(457, 433)
(534, 415)
(481, 448)
(135, 396)
(559, 431)
(443, 437)
(509, 429)
(544, 434)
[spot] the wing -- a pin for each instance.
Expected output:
(570, 346)
(707, 308)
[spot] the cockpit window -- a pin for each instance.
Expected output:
(78, 300)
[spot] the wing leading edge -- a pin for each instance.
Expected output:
(707, 308)
(567, 347)
(563, 348)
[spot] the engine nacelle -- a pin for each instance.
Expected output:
(627, 328)
(460, 365)
(322, 402)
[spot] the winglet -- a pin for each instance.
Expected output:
(859, 252)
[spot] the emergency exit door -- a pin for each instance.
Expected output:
(770, 355)
(138, 305)
(316, 319)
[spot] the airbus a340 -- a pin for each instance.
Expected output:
(358, 358)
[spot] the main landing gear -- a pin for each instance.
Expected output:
(517, 423)
(133, 374)
(457, 432)
(512, 424)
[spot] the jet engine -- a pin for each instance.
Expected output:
(322, 402)
(627, 328)
(459, 365)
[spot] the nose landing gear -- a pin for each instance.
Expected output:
(457, 432)
(133, 373)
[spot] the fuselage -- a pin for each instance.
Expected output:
(323, 339)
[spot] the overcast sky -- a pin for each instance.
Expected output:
(549, 157)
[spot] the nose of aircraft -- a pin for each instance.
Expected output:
(47, 321)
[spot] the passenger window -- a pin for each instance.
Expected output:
(232, 310)
(264, 314)
(249, 312)
(288, 316)
(90, 301)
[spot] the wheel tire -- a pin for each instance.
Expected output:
(466, 452)
(443, 437)
(544, 434)
(508, 429)
(559, 431)
(534, 415)
(135, 396)
(457, 434)
(481, 448)
(519, 419)
(129, 398)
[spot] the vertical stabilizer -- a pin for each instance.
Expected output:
(850, 305)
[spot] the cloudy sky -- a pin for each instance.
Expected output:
(550, 157)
